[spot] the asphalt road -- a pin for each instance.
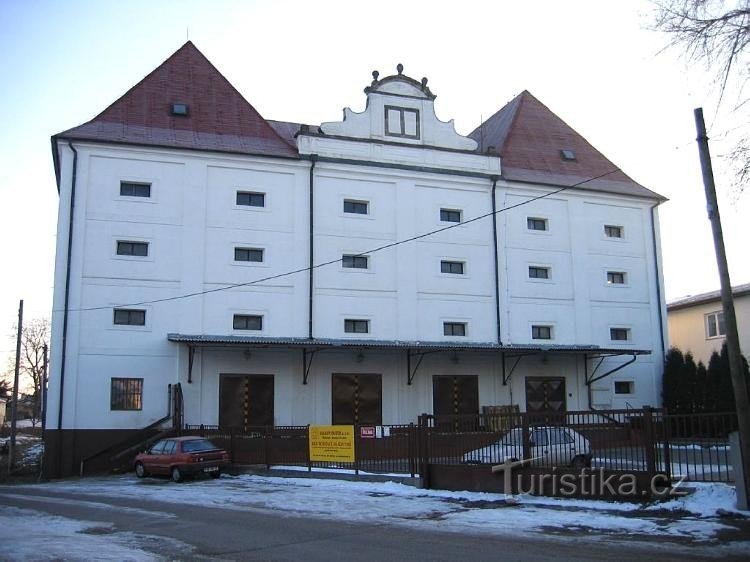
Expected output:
(201, 533)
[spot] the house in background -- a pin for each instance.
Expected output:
(696, 323)
(283, 273)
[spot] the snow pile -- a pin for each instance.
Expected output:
(708, 500)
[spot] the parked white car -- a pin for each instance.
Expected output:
(548, 446)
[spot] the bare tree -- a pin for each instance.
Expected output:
(716, 33)
(34, 337)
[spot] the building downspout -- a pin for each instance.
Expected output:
(497, 260)
(313, 158)
(67, 300)
(658, 284)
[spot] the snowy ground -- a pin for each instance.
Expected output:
(703, 519)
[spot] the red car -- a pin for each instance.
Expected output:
(182, 456)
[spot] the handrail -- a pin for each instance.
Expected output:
(120, 443)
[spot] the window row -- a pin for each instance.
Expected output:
(543, 224)
(254, 322)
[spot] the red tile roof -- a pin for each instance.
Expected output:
(219, 118)
(529, 137)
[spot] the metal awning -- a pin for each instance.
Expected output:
(311, 346)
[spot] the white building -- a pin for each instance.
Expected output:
(186, 259)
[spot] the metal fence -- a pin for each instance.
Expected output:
(392, 449)
(648, 441)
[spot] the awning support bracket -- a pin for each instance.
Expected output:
(191, 356)
(412, 373)
(307, 359)
(507, 375)
(593, 378)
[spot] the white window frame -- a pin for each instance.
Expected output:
(632, 387)
(252, 208)
(715, 315)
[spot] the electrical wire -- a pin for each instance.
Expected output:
(338, 260)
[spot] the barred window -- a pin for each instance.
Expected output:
(251, 199)
(126, 248)
(612, 231)
(247, 322)
(354, 261)
(126, 394)
(450, 215)
(356, 207)
(356, 326)
(615, 277)
(129, 317)
(535, 223)
(456, 267)
(536, 272)
(454, 328)
(248, 254)
(541, 332)
(135, 189)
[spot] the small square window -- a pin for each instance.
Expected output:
(251, 199)
(354, 261)
(715, 326)
(126, 394)
(134, 189)
(125, 248)
(619, 334)
(616, 278)
(612, 231)
(536, 272)
(248, 254)
(535, 223)
(247, 322)
(356, 207)
(454, 328)
(455, 267)
(624, 387)
(352, 326)
(180, 109)
(129, 317)
(541, 332)
(450, 215)
(401, 122)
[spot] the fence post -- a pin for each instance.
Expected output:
(410, 450)
(232, 444)
(650, 441)
(267, 446)
(202, 430)
(307, 449)
(356, 450)
(424, 455)
(525, 436)
(667, 453)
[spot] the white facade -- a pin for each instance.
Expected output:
(192, 224)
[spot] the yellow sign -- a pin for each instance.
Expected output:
(332, 443)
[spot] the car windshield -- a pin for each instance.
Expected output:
(197, 445)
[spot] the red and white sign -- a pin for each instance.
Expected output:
(367, 432)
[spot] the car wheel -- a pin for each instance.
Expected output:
(216, 474)
(176, 474)
(140, 470)
(579, 462)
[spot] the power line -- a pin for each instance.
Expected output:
(338, 260)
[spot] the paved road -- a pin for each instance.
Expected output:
(200, 533)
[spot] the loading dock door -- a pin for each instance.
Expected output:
(245, 400)
(356, 398)
(455, 395)
(545, 394)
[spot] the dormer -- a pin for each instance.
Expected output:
(398, 125)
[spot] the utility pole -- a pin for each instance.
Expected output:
(43, 389)
(14, 399)
(739, 384)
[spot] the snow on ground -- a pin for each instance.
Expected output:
(690, 518)
(46, 536)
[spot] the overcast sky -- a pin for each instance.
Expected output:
(596, 64)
